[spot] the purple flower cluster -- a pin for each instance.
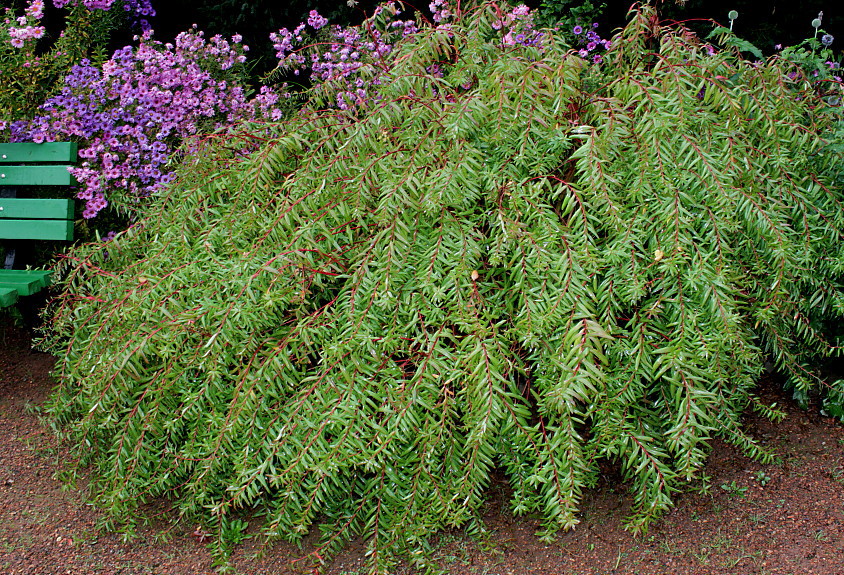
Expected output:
(590, 41)
(138, 10)
(834, 66)
(265, 103)
(347, 60)
(339, 55)
(134, 111)
(316, 21)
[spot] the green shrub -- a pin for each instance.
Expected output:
(528, 264)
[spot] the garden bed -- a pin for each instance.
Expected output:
(754, 519)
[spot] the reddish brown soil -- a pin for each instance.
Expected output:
(778, 519)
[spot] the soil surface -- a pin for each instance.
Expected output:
(785, 518)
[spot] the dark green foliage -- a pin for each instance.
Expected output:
(528, 265)
(568, 13)
(785, 23)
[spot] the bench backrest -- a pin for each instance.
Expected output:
(27, 219)
(28, 164)
(46, 153)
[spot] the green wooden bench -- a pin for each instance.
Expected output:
(26, 219)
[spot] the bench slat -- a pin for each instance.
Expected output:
(8, 296)
(36, 176)
(36, 229)
(46, 152)
(25, 282)
(35, 209)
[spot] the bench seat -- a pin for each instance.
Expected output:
(8, 296)
(25, 282)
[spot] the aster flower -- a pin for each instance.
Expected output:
(827, 39)
(316, 21)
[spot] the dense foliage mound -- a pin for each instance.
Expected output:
(511, 260)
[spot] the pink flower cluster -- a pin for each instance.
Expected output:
(35, 9)
(518, 27)
(135, 111)
(27, 26)
(19, 36)
(440, 11)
